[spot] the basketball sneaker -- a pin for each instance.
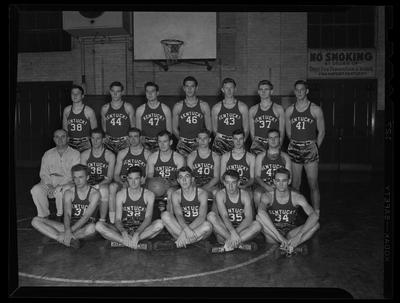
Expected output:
(249, 246)
(74, 243)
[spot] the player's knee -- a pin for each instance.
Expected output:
(158, 225)
(165, 216)
(36, 221)
(211, 216)
(99, 227)
(91, 228)
(257, 226)
(35, 189)
(207, 227)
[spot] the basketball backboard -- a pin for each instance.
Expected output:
(198, 31)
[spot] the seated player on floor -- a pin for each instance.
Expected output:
(133, 217)
(277, 214)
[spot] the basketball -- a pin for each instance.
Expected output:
(158, 186)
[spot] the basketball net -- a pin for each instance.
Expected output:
(172, 50)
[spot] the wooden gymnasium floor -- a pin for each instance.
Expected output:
(346, 253)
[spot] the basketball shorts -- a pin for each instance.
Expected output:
(95, 179)
(92, 219)
(115, 144)
(186, 146)
(303, 152)
(259, 145)
(222, 145)
(151, 144)
(132, 226)
(284, 228)
(80, 144)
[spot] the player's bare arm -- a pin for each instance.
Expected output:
(175, 118)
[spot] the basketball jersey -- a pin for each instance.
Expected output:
(166, 170)
(117, 121)
(303, 125)
(191, 120)
(235, 210)
(133, 212)
(269, 166)
(78, 124)
(153, 121)
(283, 214)
(265, 120)
(229, 119)
(131, 160)
(190, 209)
(97, 166)
(240, 166)
(203, 169)
(79, 206)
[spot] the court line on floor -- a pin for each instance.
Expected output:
(22, 274)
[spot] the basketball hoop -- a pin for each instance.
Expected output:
(172, 50)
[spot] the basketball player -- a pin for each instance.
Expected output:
(305, 129)
(134, 212)
(189, 116)
(101, 163)
(187, 224)
(264, 116)
(117, 117)
(134, 155)
(152, 117)
(228, 115)
(80, 203)
(165, 163)
(277, 214)
(55, 175)
(239, 160)
(267, 163)
(205, 165)
(234, 224)
(78, 120)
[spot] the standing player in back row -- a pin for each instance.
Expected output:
(117, 117)
(228, 115)
(264, 116)
(78, 120)
(189, 117)
(305, 128)
(152, 117)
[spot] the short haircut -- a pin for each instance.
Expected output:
(185, 169)
(78, 87)
(273, 130)
(135, 130)
(60, 129)
(265, 82)
(238, 132)
(117, 83)
(190, 78)
(228, 80)
(135, 169)
(151, 84)
(79, 167)
(282, 170)
(97, 130)
(204, 131)
(301, 82)
(163, 133)
(231, 173)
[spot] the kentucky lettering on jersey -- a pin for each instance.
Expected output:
(302, 125)
(78, 124)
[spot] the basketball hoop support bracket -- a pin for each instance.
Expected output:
(165, 65)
